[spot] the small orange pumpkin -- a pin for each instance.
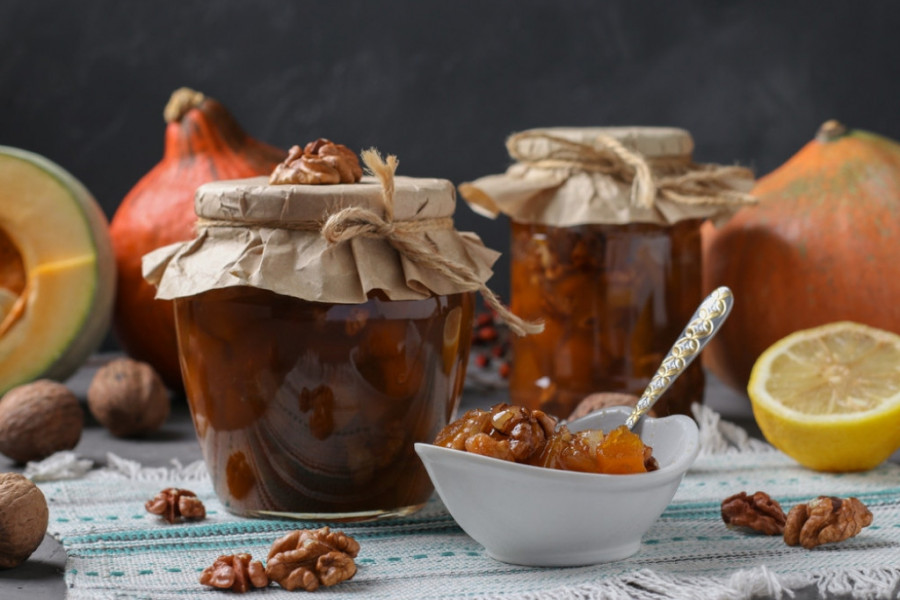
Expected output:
(203, 142)
(821, 246)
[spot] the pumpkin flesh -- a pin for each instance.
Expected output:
(57, 278)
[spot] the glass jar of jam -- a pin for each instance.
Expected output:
(606, 251)
(313, 364)
(613, 299)
(312, 408)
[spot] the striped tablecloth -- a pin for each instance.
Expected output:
(117, 550)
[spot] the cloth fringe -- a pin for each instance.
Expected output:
(870, 584)
(61, 465)
(723, 437)
(746, 584)
(130, 469)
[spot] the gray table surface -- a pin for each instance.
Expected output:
(41, 577)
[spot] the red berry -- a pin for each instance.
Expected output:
(483, 320)
(487, 334)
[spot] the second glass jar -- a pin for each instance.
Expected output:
(613, 299)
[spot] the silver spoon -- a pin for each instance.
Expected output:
(704, 324)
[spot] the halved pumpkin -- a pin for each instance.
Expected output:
(57, 273)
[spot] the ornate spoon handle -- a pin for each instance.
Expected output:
(702, 327)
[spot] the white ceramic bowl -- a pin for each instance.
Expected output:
(545, 517)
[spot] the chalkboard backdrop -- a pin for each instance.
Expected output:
(441, 83)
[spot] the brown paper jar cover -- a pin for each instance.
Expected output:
(267, 236)
(547, 187)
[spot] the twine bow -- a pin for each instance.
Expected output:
(686, 182)
(356, 221)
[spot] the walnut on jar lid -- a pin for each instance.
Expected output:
(321, 162)
(333, 243)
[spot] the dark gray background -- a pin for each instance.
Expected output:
(440, 83)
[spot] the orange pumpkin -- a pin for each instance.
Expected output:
(203, 142)
(821, 246)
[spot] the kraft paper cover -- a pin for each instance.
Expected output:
(548, 186)
(266, 236)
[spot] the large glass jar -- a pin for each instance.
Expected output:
(606, 251)
(613, 299)
(320, 337)
(312, 409)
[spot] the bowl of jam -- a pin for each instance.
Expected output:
(535, 492)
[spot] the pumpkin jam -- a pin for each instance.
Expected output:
(613, 299)
(532, 437)
(13, 280)
(311, 410)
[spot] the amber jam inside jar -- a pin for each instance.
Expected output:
(310, 410)
(613, 299)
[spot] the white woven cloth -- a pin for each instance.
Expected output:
(117, 550)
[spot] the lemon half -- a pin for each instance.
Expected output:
(829, 396)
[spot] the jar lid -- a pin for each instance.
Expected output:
(254, 202)
(273, 237)
(651, 142)
(568, 176)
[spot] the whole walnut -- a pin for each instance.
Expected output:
(23, 519)
(128, 398)
(38, 419)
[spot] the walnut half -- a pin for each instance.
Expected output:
(320, 162)
(507, 432)
(308, 558)
(173, 504)
(825, 520)
(235, 572)
(758, 512)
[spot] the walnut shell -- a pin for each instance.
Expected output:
(599, 400)
(38, 419)
(128, 398)
(23, 519)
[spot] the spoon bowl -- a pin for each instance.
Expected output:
(535, 516)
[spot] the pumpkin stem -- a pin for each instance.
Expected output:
(182, 100)
(830, 131)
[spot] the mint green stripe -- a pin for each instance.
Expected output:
(200, 530)
(195, 543)
(879, 498)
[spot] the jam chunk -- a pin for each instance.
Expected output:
(532, 437)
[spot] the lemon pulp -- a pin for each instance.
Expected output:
(830, 396)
